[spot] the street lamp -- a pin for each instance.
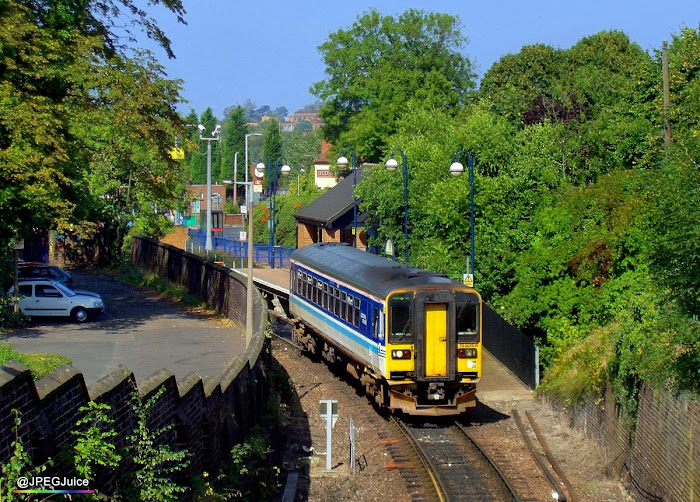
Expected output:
(214, 137)
(456, 170)
(391, 166)
(343, 162)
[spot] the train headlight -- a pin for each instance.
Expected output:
(466, 353)
(401, 354)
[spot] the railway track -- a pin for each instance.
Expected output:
(441, 460)
(459, 469)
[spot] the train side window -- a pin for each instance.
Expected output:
(400, 318)
(324, 296)
(314, 288)
(356, 313)
(350, 313)
(309, 287)
(303, 285)
(336, 301)
(299, 282)
(343, 299)
(375, 323)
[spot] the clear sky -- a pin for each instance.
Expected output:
(267, 50)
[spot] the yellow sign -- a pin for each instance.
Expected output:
(177, 153)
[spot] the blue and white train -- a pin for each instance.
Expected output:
(412, 338)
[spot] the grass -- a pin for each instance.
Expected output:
(39, 364)
(582, 372)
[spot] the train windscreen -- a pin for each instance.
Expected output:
(467, 316)
(400, 318)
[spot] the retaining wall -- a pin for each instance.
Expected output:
(210, 416)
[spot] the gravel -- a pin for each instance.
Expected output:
(302, 437)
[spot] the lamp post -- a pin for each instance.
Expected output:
(214, 137)
(284, 170)
(235, 179)
(391, 166)
(456, 170)
(343, 162)
(247, 167)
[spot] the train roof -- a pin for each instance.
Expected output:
(363, 270)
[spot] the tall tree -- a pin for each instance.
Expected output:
(379, 65)
(518, 82)
(232, 141)
(75, 109)
(272, 146)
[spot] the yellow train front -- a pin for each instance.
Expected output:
(412, 338)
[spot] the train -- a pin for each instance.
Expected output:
(411, 337)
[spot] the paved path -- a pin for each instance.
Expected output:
(142, 330)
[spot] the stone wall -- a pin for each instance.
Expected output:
(659, 453)
(209, 416)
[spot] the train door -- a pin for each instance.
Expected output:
(436, 316)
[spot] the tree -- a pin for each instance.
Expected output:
(83, 127)
(517, 82)
(382, 63)
(272, 148)
(232, 141)
(675, 223)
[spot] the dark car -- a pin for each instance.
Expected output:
(43, 271)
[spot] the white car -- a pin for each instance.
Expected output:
(48, 298)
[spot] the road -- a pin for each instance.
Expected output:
(141, 329)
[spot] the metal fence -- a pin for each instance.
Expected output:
(516, 351)
(275, 256)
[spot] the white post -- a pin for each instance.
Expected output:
(249, 292)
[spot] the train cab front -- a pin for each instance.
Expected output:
(433, 351)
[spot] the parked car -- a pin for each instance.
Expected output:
(43, 271)
(48, 298)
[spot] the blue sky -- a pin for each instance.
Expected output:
(266, 51)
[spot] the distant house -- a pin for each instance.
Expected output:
(323, 176)
(198, 203)
(330, 217)
(299, 116)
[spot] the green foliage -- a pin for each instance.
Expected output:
(19, 465)
(287, 206)
(153, 462)
(255, 476)
(584, 236)
(382, 63)
(85, 131)
(8, 317)
(232, 141)
(94, 446)
(583, 370)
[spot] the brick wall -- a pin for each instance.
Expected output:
(209, 417)
(659, 453)
(305, 235)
